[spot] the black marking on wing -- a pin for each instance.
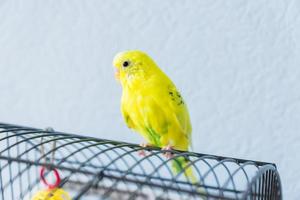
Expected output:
(175, 96)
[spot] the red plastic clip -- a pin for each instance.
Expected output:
(56, 174)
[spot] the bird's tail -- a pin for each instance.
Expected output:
(182, 165)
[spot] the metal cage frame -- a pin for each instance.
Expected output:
(95, 168)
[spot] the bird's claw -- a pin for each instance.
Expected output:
(168, 154)
(142, 152)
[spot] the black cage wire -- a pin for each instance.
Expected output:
(93, 168)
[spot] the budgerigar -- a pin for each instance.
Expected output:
(152, 105)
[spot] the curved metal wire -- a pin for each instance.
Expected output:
(94, 168)
(265, 185)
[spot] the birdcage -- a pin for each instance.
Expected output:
(92, 168)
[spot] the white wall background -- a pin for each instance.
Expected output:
(236, 62)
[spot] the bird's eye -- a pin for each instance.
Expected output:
(125, 63)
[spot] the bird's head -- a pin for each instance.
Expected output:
(133, 65)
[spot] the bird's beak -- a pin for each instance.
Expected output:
(117, 74)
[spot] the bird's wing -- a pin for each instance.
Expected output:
(179, 108)
(164, 111)
(156, 111)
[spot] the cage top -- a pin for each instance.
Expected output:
(50, 132)
(88, 163)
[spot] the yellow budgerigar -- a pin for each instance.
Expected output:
(152, 105)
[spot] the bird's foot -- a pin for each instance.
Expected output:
(142, 152)
(168, 154)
